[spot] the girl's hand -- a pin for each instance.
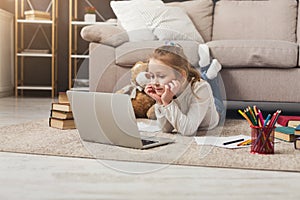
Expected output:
(175, 86)
(151, 92)
(171, 89)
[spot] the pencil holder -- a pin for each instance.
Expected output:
(262, 140)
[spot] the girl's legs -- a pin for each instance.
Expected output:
(203, 52)
(210, 73)
(215, 86)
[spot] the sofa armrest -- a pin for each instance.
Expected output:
(105, 34)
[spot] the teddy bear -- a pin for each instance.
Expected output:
(143, 105)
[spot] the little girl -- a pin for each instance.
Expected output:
(184, 102)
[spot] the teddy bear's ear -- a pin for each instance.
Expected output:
(139, 67)
(136, 69)
(148, 76)
(143, 78)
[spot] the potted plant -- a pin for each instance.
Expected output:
(90, 14)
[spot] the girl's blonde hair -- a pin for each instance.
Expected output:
(173, 56)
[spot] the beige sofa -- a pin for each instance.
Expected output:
(257, 43)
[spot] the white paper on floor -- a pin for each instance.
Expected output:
(219, 141)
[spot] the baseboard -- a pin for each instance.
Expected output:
(286, 107)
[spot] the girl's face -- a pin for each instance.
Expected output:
(160, 74)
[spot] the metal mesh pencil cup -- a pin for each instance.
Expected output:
(262, 140)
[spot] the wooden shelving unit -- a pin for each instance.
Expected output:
(20, 22)
(76, 22)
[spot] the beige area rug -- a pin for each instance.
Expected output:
(37, 138)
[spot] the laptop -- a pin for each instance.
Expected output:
(108, 118)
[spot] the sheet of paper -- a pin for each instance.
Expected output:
(149, 126)
(219, 141)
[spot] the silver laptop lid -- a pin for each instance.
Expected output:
(105, 118)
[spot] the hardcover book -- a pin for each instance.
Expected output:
(61, 114)
(286, 120)
(62, 123)
(297, 143)
(29, 17)
(66, 107)
(297, 130)
(293, 123)
(285, 133)
(44, 51)
(37, 15)
(63, 98)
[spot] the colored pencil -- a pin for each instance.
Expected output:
(245, 116)
(253, 116)
(260, 118)
(267, 119)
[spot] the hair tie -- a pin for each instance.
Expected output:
(171, 43)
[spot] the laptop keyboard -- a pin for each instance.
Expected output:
(146, 142)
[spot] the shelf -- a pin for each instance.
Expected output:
(34, 54)
(76, 23)
(83, 23)
(80, 56)
(34, 21)
(34, 87)
(35, 36)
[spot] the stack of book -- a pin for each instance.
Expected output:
(37, 15)
(61, 113)
(289, 128)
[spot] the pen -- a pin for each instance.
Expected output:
(233, 141)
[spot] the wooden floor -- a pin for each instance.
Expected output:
(24, 176)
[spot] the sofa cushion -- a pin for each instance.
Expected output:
(273, 19)
(200, 12)
(255, 53)
(129, 53)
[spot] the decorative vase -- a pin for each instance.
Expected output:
(90, 17)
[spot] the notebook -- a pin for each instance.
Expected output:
(108, 118)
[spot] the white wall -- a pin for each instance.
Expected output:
(6, 53)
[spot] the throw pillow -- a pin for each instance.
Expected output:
(170, 23)
(131, 20)
(200, 12)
